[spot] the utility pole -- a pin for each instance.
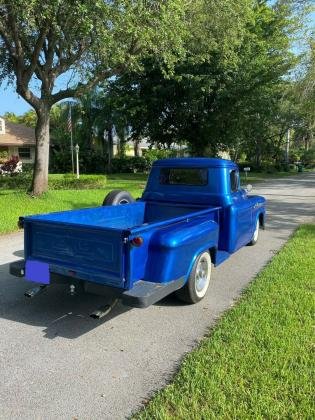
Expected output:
(77, 148)
(71, 137)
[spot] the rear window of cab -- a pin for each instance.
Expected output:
(184, 176)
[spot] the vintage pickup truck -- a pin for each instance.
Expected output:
(192, 214)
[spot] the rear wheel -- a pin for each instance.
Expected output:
(198, 282)
(117, 197)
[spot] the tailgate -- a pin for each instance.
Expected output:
(90, 253)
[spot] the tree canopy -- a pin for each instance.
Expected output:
(88, 41)
(216, 76)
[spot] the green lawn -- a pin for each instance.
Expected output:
(15, 203)
(257, 362)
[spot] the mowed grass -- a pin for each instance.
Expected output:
(257, 362)
(15, 203)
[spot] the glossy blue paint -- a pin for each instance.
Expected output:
(176, 222)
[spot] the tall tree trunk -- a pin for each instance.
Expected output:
(121, 131)
(136, 147)
(40, 174)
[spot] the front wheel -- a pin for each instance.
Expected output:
(255, 235)
(198, 282)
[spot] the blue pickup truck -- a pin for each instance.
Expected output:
(192, 214)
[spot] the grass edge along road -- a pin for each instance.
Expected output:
(257, 361)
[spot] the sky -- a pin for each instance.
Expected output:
(10, 101)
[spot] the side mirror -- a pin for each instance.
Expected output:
(248, 188)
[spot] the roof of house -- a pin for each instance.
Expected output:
(17, 135)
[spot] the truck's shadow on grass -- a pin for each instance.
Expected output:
(58, 313)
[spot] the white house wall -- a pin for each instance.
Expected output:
(14, 151)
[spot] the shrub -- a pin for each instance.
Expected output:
(93, 162)
(154, 154)
(308, 158)
(28, 168)
(59, 161)
(70, 182)
(4, 156)
(130, 165)
(11, 167)
(20, 181)
(56, 182)
(268, 167)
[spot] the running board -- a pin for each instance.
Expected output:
(145, 293)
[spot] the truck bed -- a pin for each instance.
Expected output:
(126, 217)
(94, 244)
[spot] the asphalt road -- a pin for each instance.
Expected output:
(58, 363)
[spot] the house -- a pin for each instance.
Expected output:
(17, 140)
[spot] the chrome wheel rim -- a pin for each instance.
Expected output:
(255, 237)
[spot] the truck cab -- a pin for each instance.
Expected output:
(205, 182)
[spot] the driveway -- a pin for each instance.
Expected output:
(58, 363)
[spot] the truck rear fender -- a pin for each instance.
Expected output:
(173, 251)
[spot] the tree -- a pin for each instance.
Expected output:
(229, 91)
(173, 109)
(85, 41)
(29, 118)
(304, 100)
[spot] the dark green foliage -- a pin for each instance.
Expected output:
(234, 100)
(90, 162)
(4, 156)
(56, 182)
(308, 158)
(70, 182)
(130, 165)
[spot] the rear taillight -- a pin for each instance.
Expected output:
(137, 241)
